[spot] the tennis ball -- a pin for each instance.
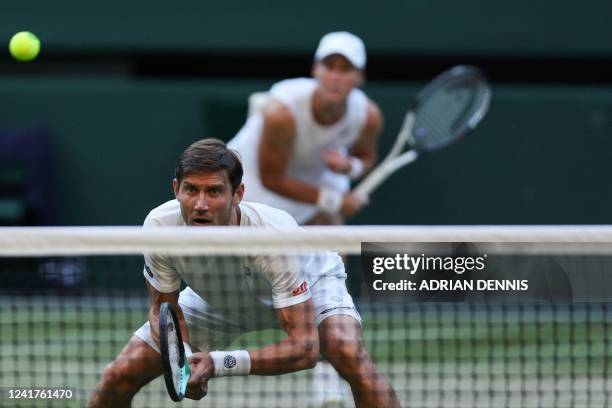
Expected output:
(24, 46)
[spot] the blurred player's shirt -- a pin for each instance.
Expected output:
(311, 140)
(244, 289)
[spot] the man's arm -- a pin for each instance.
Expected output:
(157, 298)
(275, 149)
(365, 148)
(362, 158)
(298, 351)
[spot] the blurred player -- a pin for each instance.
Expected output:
(311, 137)
(305, 293)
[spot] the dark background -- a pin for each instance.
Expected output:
(120, 89)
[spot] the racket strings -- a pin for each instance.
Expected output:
(445, 116)
(434, 135)
(174, 356)
(466, 110)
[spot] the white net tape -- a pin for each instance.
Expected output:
(43, 241)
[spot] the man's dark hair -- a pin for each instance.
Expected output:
(209, 155)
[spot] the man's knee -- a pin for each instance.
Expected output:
(349, 351)
(121, 377)
(136, 365)
(342, 343)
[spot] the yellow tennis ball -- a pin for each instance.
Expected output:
(24, 46)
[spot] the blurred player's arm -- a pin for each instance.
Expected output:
(365, 148)
(157, 298)
(275, 149)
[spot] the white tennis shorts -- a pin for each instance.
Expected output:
(210, 331)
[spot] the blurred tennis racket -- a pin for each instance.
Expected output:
(447, 108)
(176, 366)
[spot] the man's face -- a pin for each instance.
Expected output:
(206, 198)
(337, 77)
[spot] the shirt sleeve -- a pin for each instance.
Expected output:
(287, 278)
(159, 270)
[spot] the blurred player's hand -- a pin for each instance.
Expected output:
(336, 160)
(202, 369)
(352, 204)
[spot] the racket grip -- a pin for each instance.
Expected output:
(369, 184)
(381, 173)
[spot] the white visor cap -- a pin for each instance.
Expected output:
(344, 43)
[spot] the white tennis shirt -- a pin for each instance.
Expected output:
(239, 282)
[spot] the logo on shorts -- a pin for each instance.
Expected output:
(334, 308)
(300, 289)
(327, 310)
(229, 361)
(148, 270)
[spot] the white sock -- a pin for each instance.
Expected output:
(329, 389)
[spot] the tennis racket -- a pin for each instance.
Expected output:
(447, 108)
(176, 366)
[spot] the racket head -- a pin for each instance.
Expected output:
(174, 360)
(450, 106)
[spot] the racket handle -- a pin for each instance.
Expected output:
(381, 173)
(403, 135)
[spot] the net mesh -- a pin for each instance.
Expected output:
(66, 317)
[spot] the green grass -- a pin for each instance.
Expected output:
(514, 357)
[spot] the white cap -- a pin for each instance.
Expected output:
(344, 43)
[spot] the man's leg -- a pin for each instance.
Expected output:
(136, 365)
(139, 363)
(329, 390)
(342, 344)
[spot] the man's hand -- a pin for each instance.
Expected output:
(202, 369)
(336, 160)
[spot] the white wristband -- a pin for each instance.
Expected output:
(226, 363)
(357, 167)
(329, 200)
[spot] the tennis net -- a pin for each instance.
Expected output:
(72, 298)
